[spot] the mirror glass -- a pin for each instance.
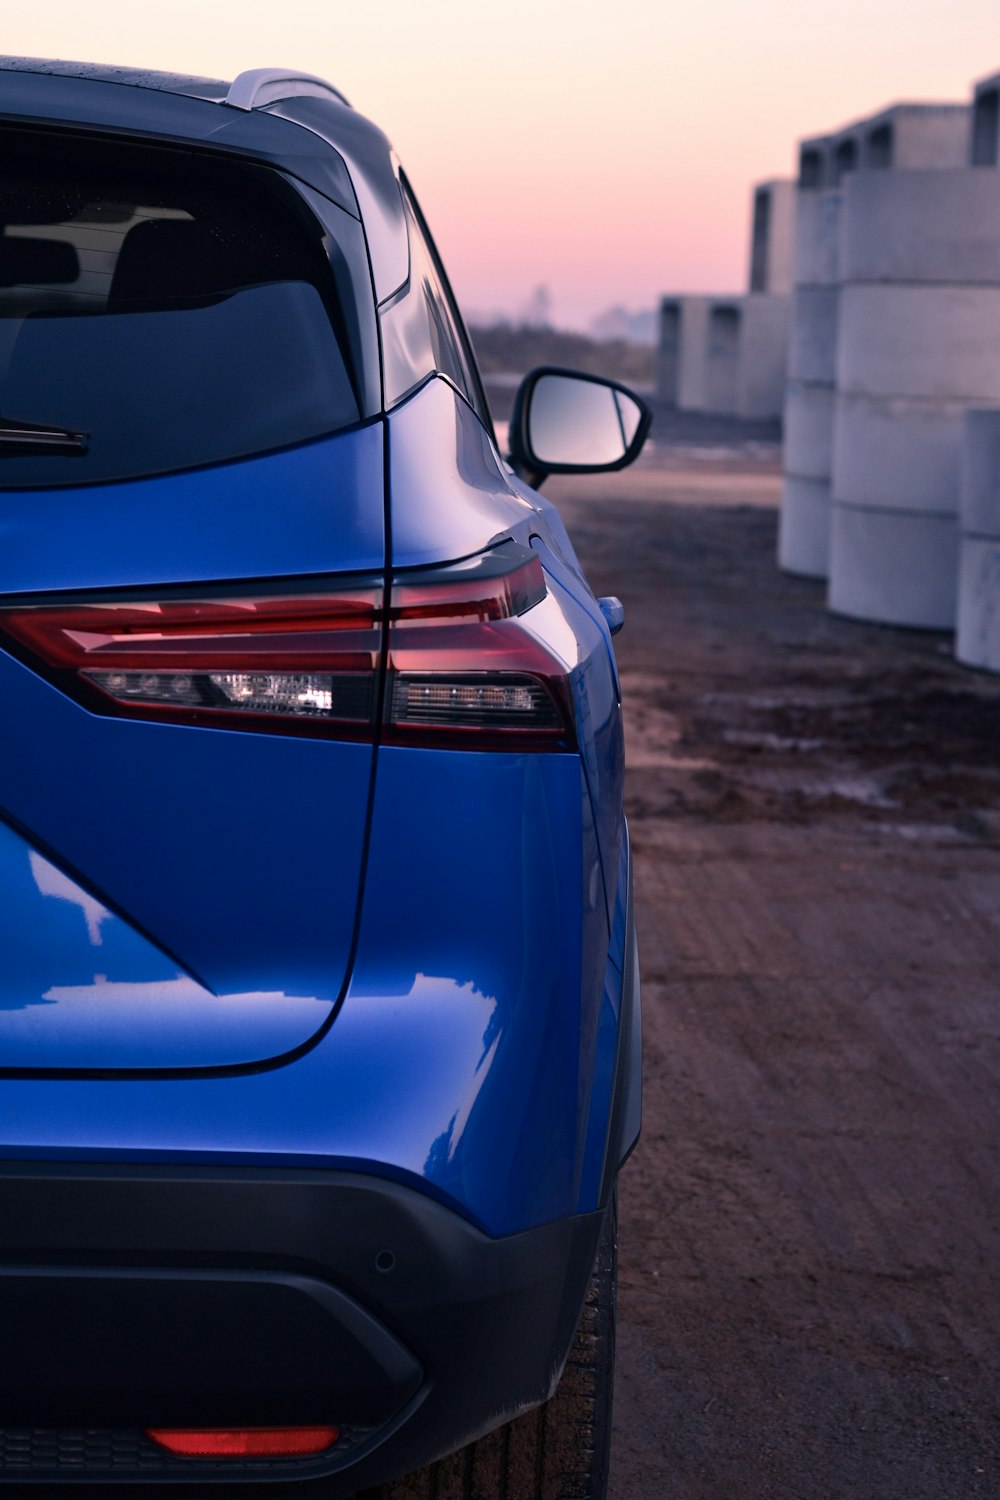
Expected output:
(580, 422)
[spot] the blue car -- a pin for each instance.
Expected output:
(319, 1006)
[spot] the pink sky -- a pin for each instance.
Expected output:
(605, 150)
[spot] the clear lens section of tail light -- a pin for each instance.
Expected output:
(276, 692)
(478, 702)
(314, 695)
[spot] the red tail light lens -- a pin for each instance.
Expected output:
(470, 657)
(244, 1442)
(305, 663)
(470, 660)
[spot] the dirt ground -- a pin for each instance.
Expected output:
(810, 1260)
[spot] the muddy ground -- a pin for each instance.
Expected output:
(810, 1259)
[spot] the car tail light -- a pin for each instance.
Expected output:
(469, 661)
(244, 1442)
(292, 662)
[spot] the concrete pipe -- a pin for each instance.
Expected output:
(977, 642)
(804, 526)
(804, 529)
(888, 235)
(893, 566)
(938, 343)
(763, 357)
(918, 339)
(809, 431)
(918, 442)
(812, 353)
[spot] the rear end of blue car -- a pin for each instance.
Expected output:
(318, 1002)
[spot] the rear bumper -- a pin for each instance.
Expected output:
(158, 1297)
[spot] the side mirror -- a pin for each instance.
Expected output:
(565, 422)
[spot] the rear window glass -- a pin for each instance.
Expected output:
(157, 311)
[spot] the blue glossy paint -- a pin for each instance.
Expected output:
(312, 509)
(79, 983)
(598, 709)
(464, 1055)
(451, 496)
(474, 1050)
(606, 1051)
(227, 849)
(436, 934)
(238, 854)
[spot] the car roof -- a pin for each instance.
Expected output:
(283, 118)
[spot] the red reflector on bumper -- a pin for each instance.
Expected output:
(244, 1442)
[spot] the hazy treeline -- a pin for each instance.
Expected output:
(514, 349)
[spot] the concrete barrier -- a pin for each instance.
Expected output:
(918, 340)
(977, 642)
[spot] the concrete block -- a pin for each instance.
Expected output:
(917, 443)
(808, 430)
(893, 566)
(804, 526)
(941, 227)
(772, 237)
(724, 355)
(725, 327)
(668, 350)
(815, 170)
(683, 352)
(845, 154)
(915, 138)
(906, 137)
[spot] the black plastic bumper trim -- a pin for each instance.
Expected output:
(488, 1322)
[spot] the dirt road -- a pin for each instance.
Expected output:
(810, 1259)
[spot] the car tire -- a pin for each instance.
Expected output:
(558, 1451)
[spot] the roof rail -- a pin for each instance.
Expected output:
(258, 87)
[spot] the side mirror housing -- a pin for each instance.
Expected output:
(565, 422)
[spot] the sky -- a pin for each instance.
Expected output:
(605, 150)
